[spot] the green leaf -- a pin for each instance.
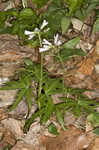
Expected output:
(53, 16)
(30, 120)
(3, 17)
(60, 119)
(52, 86)
(72, 43)
(48, 110)
(12, 12)
(67, 53)
(28, 62)
(96, 131)
(29, 100)
(52, 129)
(26, 13)
(96, 26)
(39, 3)
(94, 119)
(27, 80)
(12, 85)
(74, 5)
(18, 99)
(65, 23)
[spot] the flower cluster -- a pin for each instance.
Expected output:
(36, 30)
(46, 44)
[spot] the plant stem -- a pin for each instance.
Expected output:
(63, 70)
(41, 72)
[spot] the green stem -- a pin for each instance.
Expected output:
(41, 72)
(63, 70)
(41, 76)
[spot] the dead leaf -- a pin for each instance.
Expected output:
(3, 114)
(86, 67)
(71, 139)
(94, 145)
(8, 136)
(83, 75)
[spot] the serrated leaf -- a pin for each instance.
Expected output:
(52, 129)
(18, 99)
(29, 100)
(50, 86)
(48, 110)
(74, 5)
(60, 119)
(27, 80)
(26, 13)
(65, 23)
(3, 17)
(12, 85)
(72, 43)
(94, 119)
(12, 12)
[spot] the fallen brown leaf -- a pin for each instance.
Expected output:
(71, 139)
(3, 114)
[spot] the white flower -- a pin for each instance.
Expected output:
(23, 3)
(36, 30)
(45, 42)
(56, 41)
(30, 33)
(43, 24)
(46, 46)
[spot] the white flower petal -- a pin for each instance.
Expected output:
(45, 42)
(58, 43)
(44, 48)
(36, 29)
(44, 24)
(56, 39)
(23, 3)
(31, 36)
(26, 32)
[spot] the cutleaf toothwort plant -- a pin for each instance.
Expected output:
(26, 24)
(47, 86)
